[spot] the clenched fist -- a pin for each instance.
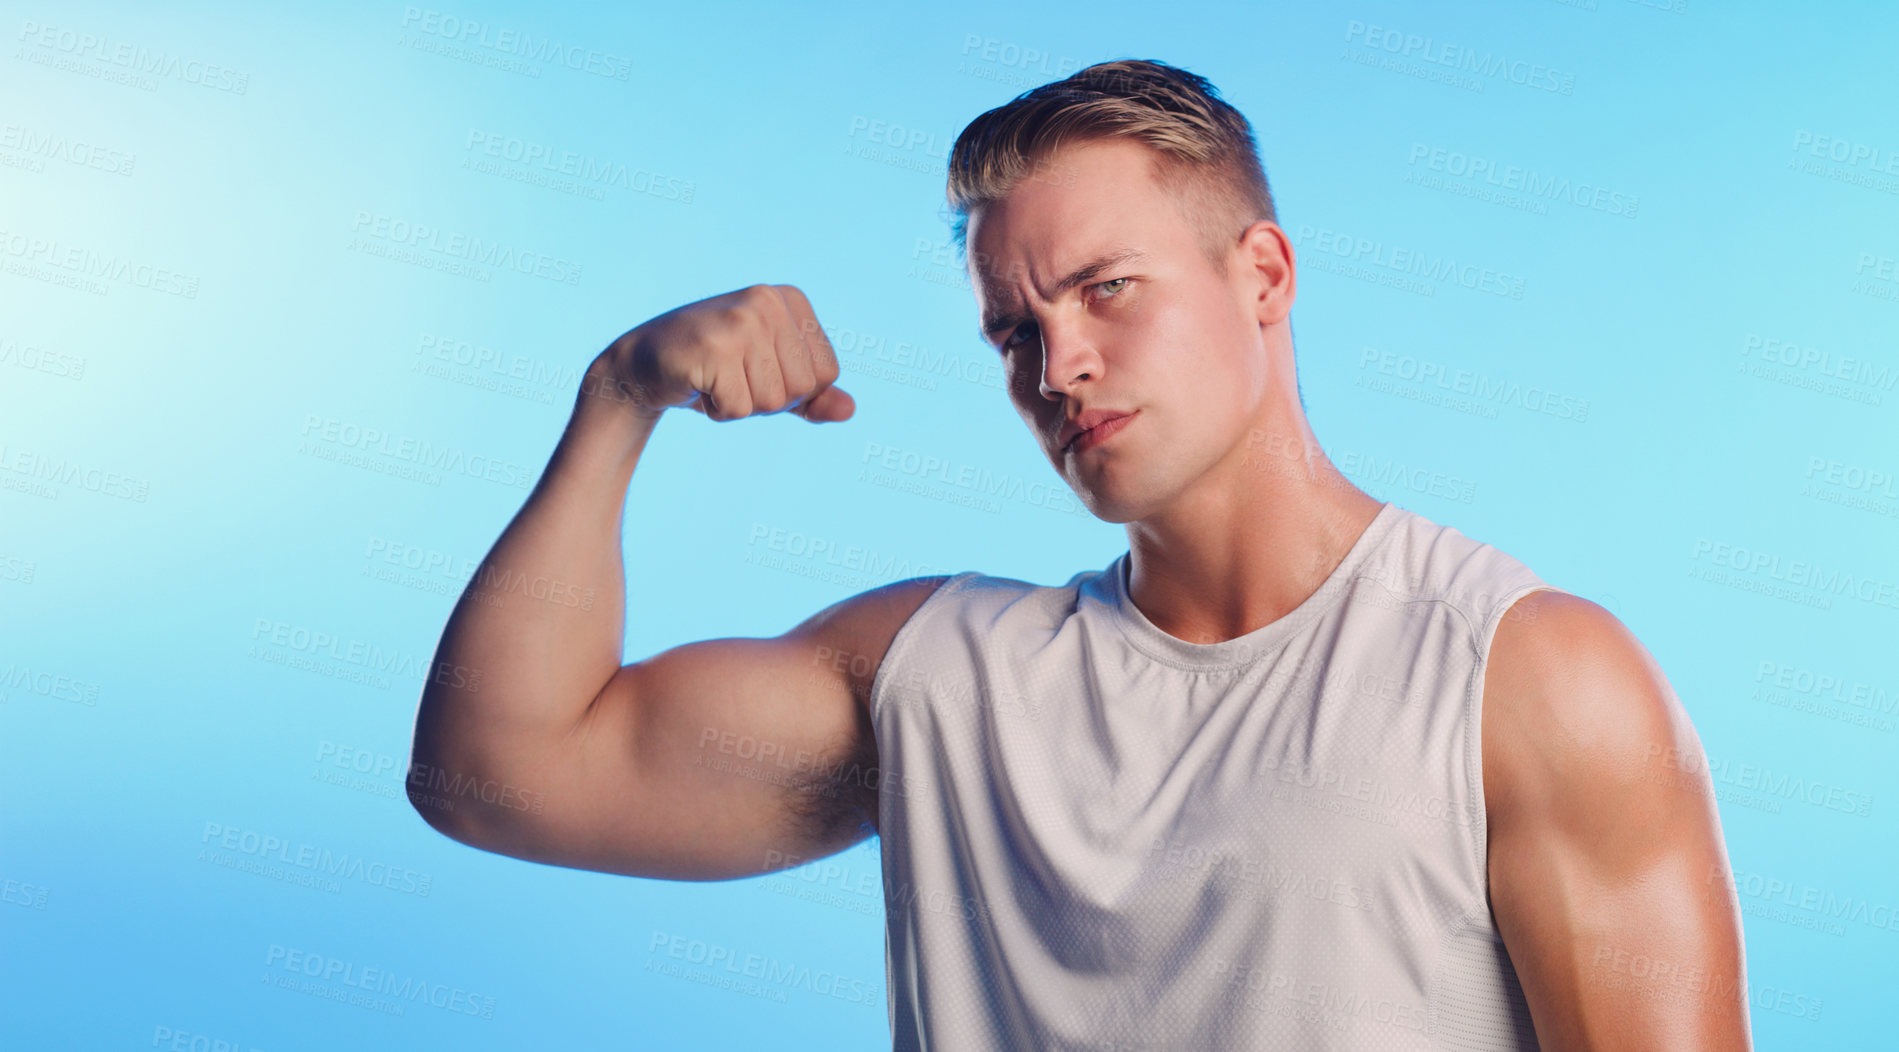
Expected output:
(747, 352)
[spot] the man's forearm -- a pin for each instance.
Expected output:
(539, 628)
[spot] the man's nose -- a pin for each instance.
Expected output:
(1067, 359)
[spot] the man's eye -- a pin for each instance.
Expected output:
(1110, 289)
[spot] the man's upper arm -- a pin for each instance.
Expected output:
(1608, 876)
(718, 759)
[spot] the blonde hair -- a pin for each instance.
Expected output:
(1204, 156)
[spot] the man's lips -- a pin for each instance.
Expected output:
(1094, 426)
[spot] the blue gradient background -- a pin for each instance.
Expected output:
(119, 927)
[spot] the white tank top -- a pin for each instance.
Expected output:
(1098, 835)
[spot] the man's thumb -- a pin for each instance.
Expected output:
(828, 406)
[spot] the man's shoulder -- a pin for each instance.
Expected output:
(869, 623)
(1424, 559)
(1551, 644)
(851, 637)
(1573, 707)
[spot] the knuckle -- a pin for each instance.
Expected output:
(798, 373)
(799, 386)
(748, 311)
(794, 297)
(741, 318)
(762, 299)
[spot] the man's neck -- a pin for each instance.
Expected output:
(1230, 559)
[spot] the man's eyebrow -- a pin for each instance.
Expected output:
(999, 320)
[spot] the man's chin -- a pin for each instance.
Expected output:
(1104, 498)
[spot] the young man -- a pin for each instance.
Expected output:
(1300, 769)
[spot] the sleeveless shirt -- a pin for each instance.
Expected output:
(1097, 835)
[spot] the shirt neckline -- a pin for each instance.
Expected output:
(1158, 644)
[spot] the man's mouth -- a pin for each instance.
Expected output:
(1102, 430)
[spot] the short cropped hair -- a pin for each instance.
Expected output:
(1205, 155)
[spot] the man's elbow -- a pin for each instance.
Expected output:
(439, 794)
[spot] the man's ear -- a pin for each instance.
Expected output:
(1266, 253)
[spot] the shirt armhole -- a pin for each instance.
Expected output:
(901, 642)
(1474, 728)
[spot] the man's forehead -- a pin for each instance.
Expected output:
(1070, 204)
(1000, 257)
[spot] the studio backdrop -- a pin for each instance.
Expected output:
(294, 305)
